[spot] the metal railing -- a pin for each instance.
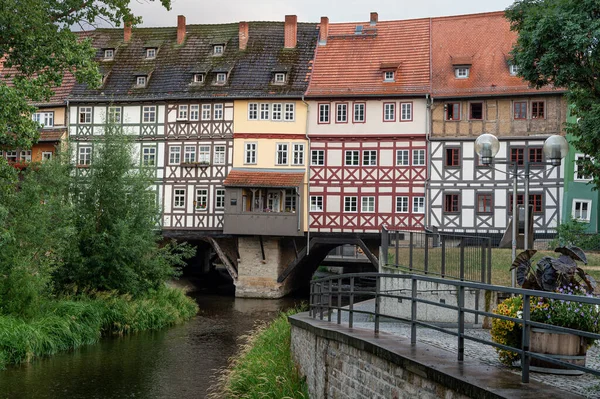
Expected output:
(329, 294)
(447, 255)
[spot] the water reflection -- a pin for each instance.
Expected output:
(177, 362)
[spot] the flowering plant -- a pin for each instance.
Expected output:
(508, 332)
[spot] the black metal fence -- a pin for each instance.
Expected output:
(446, 255)
(333, 293)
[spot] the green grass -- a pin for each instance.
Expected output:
(264, 368)
(70, 322)
(501, 261)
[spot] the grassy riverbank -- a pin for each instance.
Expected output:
(70, 322)
(264, 368)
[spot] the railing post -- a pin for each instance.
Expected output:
(351, 305)
(426, 252)
(525, 339)
(410, 251)
(396, 261)
(339, 301)
(321, 301)
(462, 259)
(385, 240)
(489, 261)
(311, 311)
(483, 262)
(461, 323)
(443, 239)
(329, 299)
(413, 311)
(377, 290)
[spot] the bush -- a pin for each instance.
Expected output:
(574, 233)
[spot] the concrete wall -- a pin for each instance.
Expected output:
(337, 370)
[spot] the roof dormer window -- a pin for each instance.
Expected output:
(141, 81)
(389, 76)
(198, 78)
(513, 69)
(109, 54)
(279, 78)
(461, 72)
(221, 78)
(151, 53)
(218, 49)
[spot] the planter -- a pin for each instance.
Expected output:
(565, 347)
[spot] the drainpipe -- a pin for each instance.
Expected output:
(308, 160)
(429, 104)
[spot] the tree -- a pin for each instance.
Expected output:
(38, 48)
(116, 240)
(558, 44)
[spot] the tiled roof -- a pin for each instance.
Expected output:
(52, 135)
(247, 178)
(172, 69)
(484, 42)
(61, 93)
(351, 64)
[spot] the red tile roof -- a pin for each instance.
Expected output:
(483, 41)
(246, 178)
(351, 64)
(52, 135)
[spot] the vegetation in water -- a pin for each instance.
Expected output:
(264, 368)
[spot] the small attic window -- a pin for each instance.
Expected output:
(513, 69)
(141, 81)
(358, 30)
(221, 78)
(151, 53)
(198, 78)
(279, 78)
(389, 76)
(218, 49)
(461, 72)
(109, 53)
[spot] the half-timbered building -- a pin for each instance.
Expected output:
(476, 90)
(367, 125)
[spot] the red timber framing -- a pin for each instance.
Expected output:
(334, 181)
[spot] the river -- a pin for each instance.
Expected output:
(179, 362)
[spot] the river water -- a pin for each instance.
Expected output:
(179, 362)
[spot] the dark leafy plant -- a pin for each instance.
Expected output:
(551, 273)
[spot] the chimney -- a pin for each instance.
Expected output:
(374, 18)
(243, 35)
(180, 29)
(127, 32)
(291, 28)
(323, 31)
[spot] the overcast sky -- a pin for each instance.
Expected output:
(219, 11)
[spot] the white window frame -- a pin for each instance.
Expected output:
(418, 205)
(402, 204)
(341, 113)
(204, 154)
(206, 112)
(182, 112)
(351, 204)
(194, 112)
(317, 157)
(179, 195)
(406, 112)
(389, 112)
(115, 115)
(25, 156)
(219, 155)
(402, 158)
(265, 110)
(367, 204)
(218, 110)
(252, 111)
(279, 78)
(140, 81)
(513, 70)
(316, 203)
(198, 78)
(589, 210)
(87, 112)
(218, 50)
(324, 113)
(289, 114)
(174, 155)
(282, 153)
(576, 168)
(419, 157)
(189, 154)
(201, 198)
(151, 53)
(462, 72)
(250, 151)
(47, 155)
(46, 119)
(369, 158)
(11, 156)
(219, 198)
(277, 112)
(148, 156)
(84, 155)
(297, 154)
(221, 78)
(389, 76)
(149, 114)
(360, 109)
(355, 161)
(109, 54)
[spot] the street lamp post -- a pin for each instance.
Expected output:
(555, 149)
